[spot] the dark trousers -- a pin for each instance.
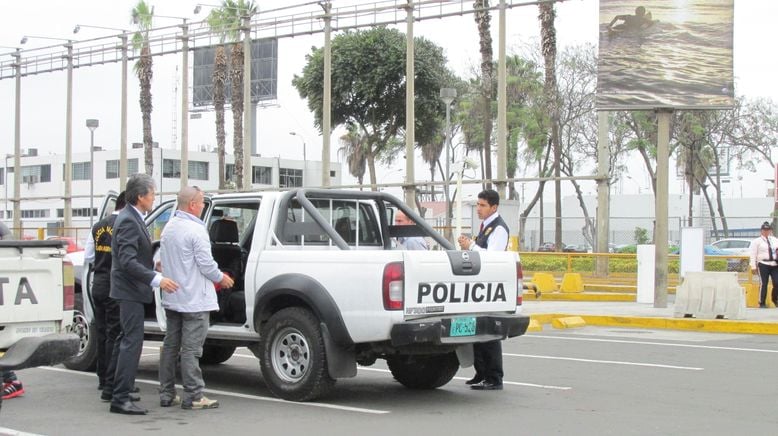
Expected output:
(488, 360)
(108, 327)
(129, 345)
(765, 272)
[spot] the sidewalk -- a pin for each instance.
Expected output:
(640, 315)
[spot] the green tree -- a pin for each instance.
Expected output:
(142, 16)
(353, 145)
(483, 21)
(217, 21)
(368, 89)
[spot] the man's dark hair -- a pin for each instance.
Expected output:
(491, 196)
(121, 201)
(138, 185)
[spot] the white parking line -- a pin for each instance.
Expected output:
(531, 385)
(245, 396)
(662, 344)
(612, 362)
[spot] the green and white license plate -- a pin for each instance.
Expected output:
(462, 326)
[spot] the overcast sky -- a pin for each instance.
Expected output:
(96, 89)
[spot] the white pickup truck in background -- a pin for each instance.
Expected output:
(320, 288)
(36, 304)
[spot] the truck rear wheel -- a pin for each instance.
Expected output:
(216, 354)
(423, 372)
(86, 359)
(294, 360)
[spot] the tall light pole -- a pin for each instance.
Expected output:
(448, 95)
(305, 159)
(92, 124)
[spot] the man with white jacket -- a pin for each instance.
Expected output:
(186, 258)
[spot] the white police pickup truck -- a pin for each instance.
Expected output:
(320, 288)
(36, 304)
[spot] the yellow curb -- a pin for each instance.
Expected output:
(534, 326)
(707, 325)
(568, 322)
(586, 296)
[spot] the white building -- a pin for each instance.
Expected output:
(43, 180)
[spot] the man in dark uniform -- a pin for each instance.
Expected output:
(98, 254)
(132, 279)
(492, 236)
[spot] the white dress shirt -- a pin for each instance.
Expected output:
(760, 253)
(497, 241)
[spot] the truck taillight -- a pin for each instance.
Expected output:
(520, 284)
(68, 286)
(393, 284)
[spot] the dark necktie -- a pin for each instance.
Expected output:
(769, 249)
(481, 229)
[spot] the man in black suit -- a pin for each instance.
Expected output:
(132, 277)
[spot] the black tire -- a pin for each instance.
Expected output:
(423, 372)
(216, 354)
(294, 360)
(86, 359)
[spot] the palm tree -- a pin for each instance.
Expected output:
(142, 17)
(353, 146)
(548, 47)
(216, 21)
(483, 20)
(232, 15)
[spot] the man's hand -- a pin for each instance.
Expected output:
(227, 281)
(168, 285)
(158, 266)
(464, 242)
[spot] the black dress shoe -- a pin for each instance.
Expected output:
(762, 306)
(135, 390)
(487, 386)
(128, 408)
(106, 396)
(475, 380)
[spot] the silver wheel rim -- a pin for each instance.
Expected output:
(80, 327)
(291, 355)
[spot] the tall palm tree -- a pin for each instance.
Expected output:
(483, 21)
(548, 47)
(217, 22)
(142, 16)
(233, 12)
(353, 146)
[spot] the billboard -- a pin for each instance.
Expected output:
(665, 54)
(264, 72)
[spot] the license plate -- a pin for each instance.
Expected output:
(462, 327)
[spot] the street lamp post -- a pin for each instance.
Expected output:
(448, 95)
(305, 159)
(92, 124)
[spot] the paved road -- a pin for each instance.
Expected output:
(589, 381)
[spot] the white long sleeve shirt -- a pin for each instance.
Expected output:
(760, 253)
(186, 258)
(497, 241)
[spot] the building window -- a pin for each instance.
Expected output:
(112, 168)
(262, 175)
(77, 212)
(35, 213)
(198, 170)
(2, 176)
(171, 168)
(290, 178)
(81, 171)
(229, 170)
(36, 173)
(332, 173)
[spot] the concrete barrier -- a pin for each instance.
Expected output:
(710, 295)
(568, 322)
(572, 282)
(545, 282)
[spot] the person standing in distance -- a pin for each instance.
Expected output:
(492, 236)
(132, 279)
(98, 254)
(410, 242)
(764, 258)
(186, 257)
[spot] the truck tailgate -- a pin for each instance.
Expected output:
(30, 286)
(454, 282)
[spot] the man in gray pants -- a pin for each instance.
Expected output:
(186, 257)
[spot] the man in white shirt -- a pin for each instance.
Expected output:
(409, 242)
(492, 236)
(186, 257)
(764, 258)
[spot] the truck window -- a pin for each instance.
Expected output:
(242, 213)
(356, 222)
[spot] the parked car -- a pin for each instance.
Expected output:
(577, 248)
(737, 246)
(547, 247)
(72, 243)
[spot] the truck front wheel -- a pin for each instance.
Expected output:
(294, 360)
(423, 372)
